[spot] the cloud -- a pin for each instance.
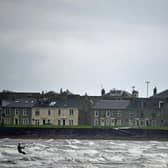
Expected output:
(82, 44)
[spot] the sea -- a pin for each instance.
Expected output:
(73, 153)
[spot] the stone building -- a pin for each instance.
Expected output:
(17, 112)
(152, 111)
(111, 113)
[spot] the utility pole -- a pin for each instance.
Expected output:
(147, 85)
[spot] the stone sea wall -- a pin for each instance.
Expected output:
(84, 133)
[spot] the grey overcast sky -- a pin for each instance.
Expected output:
(82, 45)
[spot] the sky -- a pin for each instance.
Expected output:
(83, 45)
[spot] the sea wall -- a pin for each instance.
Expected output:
(84, 133)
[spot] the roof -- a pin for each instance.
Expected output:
(112, 104)
(163, 94)
(22, 103)
(58, 103)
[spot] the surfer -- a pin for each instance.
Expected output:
(19, 147)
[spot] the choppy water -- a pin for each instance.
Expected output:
(84, 154)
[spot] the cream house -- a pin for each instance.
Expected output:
(63, 113)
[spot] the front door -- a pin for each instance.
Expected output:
(16, 121)
(63, 122)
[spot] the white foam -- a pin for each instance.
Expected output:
(84, 153)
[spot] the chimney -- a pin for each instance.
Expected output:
(103, 92)
(154, 91)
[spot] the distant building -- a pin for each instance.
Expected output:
(58, 112)
(110, 113)
(17, 112)
(9, 95)
(135, 93)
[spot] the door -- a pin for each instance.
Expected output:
(16, 121)
(63, 122)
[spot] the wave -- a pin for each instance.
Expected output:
(84, 153)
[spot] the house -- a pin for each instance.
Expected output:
(57, 112)
(17, 112)
(152, 111)
(10, 95)
(111, 113)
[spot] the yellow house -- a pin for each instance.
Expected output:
(55, 113)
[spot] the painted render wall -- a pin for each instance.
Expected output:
(54, 115)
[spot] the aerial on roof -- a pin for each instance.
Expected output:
(112, 104)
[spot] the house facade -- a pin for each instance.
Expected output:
(17, 112)
(108, 113)
(58, 112)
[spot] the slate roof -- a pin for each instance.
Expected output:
(22, 103)
(57, 103)
(112, 104)
(163, 94)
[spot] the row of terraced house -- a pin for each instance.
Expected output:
(115, 108)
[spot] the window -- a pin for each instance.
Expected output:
(16, 112)
(118, 122)
(118, 114)
(107, 113)
(7, 112)
(96, 113)
(37, 122)
(107, 122)
(115, 114)
(59, 112)
(71, 122)
(131, 115)
(7, 120)
(49, 112)
(49, 122)
(96, 122)
(25, 121)
(71, 112)
(142, 123)
(37, 113)
(102, 122)
(59, 122)
(142, 115)
(25, 112)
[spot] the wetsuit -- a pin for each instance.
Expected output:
(20, 149)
